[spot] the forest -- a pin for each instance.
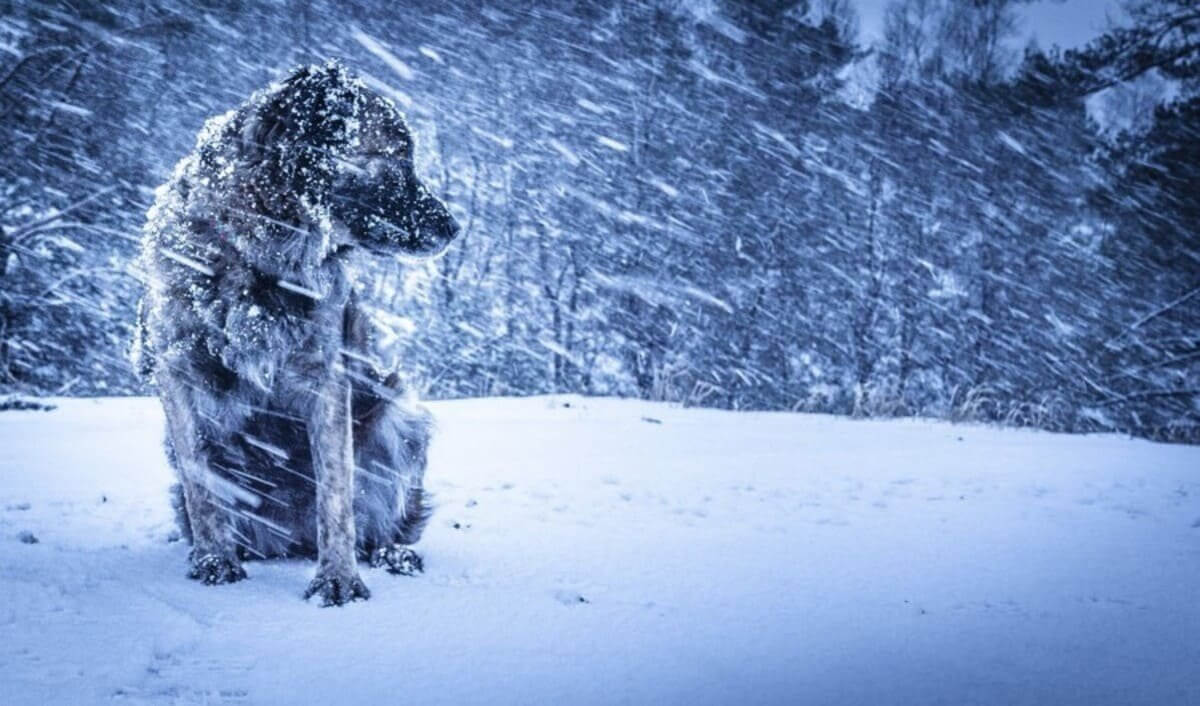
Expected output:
(716, 203)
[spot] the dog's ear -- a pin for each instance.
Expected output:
(259, 133)
(266, 122)
(310, 108)
(263, 127)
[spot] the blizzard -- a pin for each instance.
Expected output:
(603, 551)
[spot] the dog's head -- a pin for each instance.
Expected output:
(326, 144)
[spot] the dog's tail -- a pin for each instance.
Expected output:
(177, 502)
(391, 440)
(139, 353)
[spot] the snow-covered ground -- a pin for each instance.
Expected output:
(592, 551)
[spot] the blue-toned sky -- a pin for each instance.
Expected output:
(1068, 23)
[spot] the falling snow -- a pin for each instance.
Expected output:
(746, 206)
(706, 203)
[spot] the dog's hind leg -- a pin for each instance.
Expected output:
(412, 515)
(214, 554)
(337, 580)
(391, 441)
(397, 559)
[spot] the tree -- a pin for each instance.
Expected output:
(1149, 356)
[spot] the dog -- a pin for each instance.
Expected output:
(287, 438)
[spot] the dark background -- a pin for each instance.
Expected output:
(718, 203)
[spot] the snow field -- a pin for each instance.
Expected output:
(598, 551)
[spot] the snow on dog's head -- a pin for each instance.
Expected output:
(321, 153)
(256, 223)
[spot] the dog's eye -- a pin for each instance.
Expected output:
(371, 165)
(376, 166)
(351, 166)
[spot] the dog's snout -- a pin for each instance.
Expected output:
(432, 228)
(452, 228)
(387, 208)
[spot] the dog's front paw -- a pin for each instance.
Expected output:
(337, 587)
(398, 559)
(213, 569)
